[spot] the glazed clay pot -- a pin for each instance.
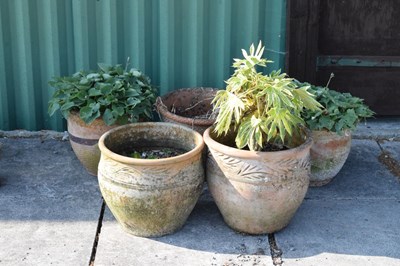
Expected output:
(328, 155)
(191, 107)
(257, 192)
(84, 139)
(151, 197)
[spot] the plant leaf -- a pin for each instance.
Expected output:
(108, 117)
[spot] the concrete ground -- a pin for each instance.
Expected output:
(52, 213)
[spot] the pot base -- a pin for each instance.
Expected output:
(320, 183)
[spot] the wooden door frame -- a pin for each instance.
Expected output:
(302, 26)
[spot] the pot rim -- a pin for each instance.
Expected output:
(346, 132)
(235, 152)
(161, 108)
(152, 162)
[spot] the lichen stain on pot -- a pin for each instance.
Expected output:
(153, 214)
(328, 155)
(151, 197)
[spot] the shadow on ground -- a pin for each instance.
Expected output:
(204, 230)
(47, 196)
(357, 214)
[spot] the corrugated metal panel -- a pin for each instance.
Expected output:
(178, 43)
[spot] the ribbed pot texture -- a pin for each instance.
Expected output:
(191, 107)
(151, 197)
(84, 139)
(257, 192)
(329, 152)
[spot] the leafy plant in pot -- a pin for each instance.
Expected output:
(331, 130)
(93, 102)
(258, 166)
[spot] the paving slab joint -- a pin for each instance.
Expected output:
(97, 236)
(276, 252)
(388, 161)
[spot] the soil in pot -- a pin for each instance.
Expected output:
(190, 107)
(153, 153)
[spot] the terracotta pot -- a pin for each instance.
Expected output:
(151, 197)
(191, 107)
(329, 152)
(84, 139)
(257, 192)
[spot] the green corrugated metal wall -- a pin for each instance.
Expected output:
(178, 43)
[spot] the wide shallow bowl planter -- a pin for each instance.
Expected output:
(329, 152)
(84, 139)
(151, 197)
(190, 107)
(257, 192)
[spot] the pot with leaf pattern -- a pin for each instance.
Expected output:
(257, 192)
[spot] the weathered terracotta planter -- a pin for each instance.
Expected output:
(84, 139)
(257, 192)
(192, 107)
(151, 197)
(329, 152)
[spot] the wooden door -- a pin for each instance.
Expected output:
(357, 40)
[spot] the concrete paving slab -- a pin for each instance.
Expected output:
(343, 232)
(204, 240)
(49, 205)
(352, 221)
(393, 147)
(375, 128)
(362, 177)
(46, 242)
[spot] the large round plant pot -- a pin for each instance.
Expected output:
(329, 152)
(190, 107)
(151, 197)
(257, 192)
(84, 139)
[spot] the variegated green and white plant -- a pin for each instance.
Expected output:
(262, 109)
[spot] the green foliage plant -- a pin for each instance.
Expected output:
(262, 109)
(341, 111)
(118, 95)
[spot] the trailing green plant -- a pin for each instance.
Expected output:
(342, 111)
(261, 108)
(112, 92)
